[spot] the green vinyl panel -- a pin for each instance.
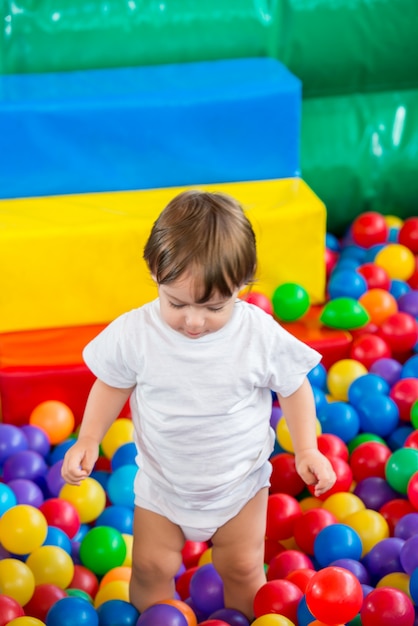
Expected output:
(62, 35)
(347, 46)
(360, 153)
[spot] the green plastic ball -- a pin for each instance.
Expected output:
(290, 302)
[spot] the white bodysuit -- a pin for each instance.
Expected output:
(201, 407)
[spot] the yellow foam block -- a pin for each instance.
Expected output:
(75, 260)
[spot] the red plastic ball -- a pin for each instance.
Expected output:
(192, 551)
(388, 606)
(183, 582)
(309, 525)
(412, 490)
(61, 513)
(301, 577)
(334, 591)
(282, 512)
(84, 579)
(399, 331)
(284, 477)
(271, 548)
(394, 510)
(9, 609)
(369, 229)
(405, 393)
(369, 348)
(44, 596)
(332, 445)
(369, 459)
(331, 260)
(278, 596)
(260, 300)
(408, 234)
(376, 277)
(412, 440)
(287, 561)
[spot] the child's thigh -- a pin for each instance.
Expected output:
(156, 539)
(246, 531)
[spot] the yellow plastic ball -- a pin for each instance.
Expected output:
(397, 580)
(23, 528)
(397, 260)
(89, 498)
(283, 434)
(273, 619)
(120, 432)
(115, 590)
(51, 565)
(16, 580)
(205, 557)
(128, 539)
(340, 376)
(371, 527)
(342, 504)
(26, 620)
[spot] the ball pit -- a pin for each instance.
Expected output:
(75, 544)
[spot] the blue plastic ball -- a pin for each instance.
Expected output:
(124, 455)
(117, 612)
(120, 486)
(70, 611)
(346, 283)
(341, 419)
(117, 516)
(365, 385)
(318, 377)
(378, 414)
(338, 541)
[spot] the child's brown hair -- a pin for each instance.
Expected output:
(208, 234)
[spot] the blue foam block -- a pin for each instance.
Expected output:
(148, 127)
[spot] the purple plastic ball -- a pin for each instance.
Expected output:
(387, 368)
(409, 554)
(408, 303)
(54, 480)
(230, 616)
(407, 526)
(12, 440)
(374, 492)
(355, 567)
(162, 615)
(206, 589)
(37, 439)
(24, 464)
(27, 492)
(384, 558)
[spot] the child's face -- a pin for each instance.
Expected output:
(180, 311)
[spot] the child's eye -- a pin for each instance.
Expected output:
(215, 309)
(176, 306)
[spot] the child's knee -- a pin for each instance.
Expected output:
(155, 566)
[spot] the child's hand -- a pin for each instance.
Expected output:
(79, 460)
(315, 469)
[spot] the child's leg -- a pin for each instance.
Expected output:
(238, 554)
(156, 558)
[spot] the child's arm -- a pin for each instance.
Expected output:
(104, 404)
(299, 412)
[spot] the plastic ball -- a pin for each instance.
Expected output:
(379, 304)
(400, 332)
(341, 374)
(400, 467)
(26, 621)
(384, 558)
(387, 607)
(282, 512)
(118, 517)
(387, 368)
(394, 510)
(7, 499)
(346, 283)
(84, 579)
(57, 537)
(374, 492)
(206, 589)
(9, 609)
(287, 561)
(27, 492)
(334, 591)
(278, 596)
(405, 393)
(369, 228)
(16, 580)
(284, 477)
(89, 498)
(70, 611)
(119, 433)
(37, 439)
(397, 260)
(300, 577)
(44, 597)
(342, 504)
(62, 514)
(368, 348)
(117, 612)
(55, 418)
(332, 445)
(12, 440)
(290, 302)
(398, 288)
(407, 526)
(339, 541)
(283, 434)
(120, 486)
(408, 234)
(375, 276)
(413, 586)
(258, 299)
(124, 455)
(412, 490)
(102, 549)
(115, 590)
(370, 526)
(355, 567)
(378, 414)
(272, 619)
(23, 528)
(344, 313)
(51, 565)
(340, 419)
(24, 464)
(308, 526)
